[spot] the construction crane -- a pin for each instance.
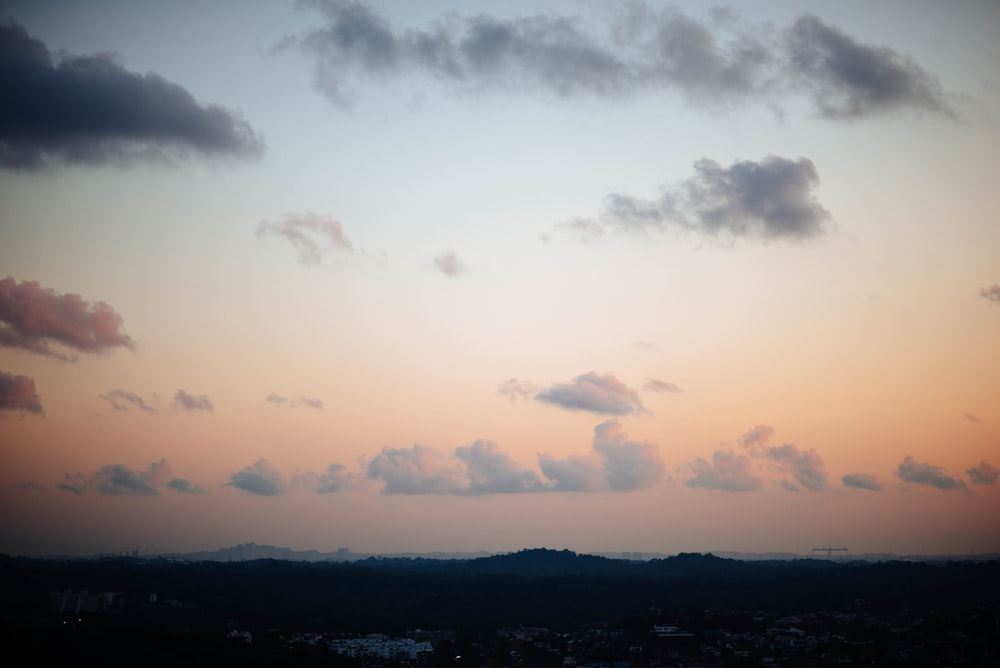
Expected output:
(829, 550)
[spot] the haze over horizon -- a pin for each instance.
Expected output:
(459, 277)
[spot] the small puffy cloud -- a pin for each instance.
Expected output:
(756, 437)
(416, 470)
(805, 466)
(850, 80)
(991, 293)
(490, 471)
(770, 199)
(70, 109)
(262, 479)
(33, 318)
(313, 235)
(281, 400)
(660, 386)
(118, 479)
(929, 475)
(594, 393)
(983, 473)
(334, 479)
(615, 463)
(861, 481)
(121, 400)
(18, 394)
(191, 402)
(517, 390)
(727, 472)
(185, 486)
(450, 264)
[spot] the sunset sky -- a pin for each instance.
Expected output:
(458, 276)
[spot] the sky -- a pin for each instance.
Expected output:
(463, 276)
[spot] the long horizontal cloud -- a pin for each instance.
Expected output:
(261, 479)
(313, 235)
(61, 108)
(33, 318)
(928, 475)
(121, 400)
(594, 393)
(660, 386)
(727, 472)
(294, 402)
(769, 199)
(641, 49)
(193, 402)
(18, 394)
(983, 473)
(118, 479)
(861, 481)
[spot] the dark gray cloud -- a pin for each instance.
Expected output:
(32, 318)
(636, 48)
(18, 394)
(281, 400)
(848, 79)
(185, 486)
(861, 481)
(262, 479)
(450, 264)
(491, 471)
(727, 472)
(65, 109)
(517, 390)
(660, 386)
(922, 473)
(805, 466)
(416, 470)
(191, 402)
(313, 235)
(770, 199)
(594, 393)
(118, 479)
(983, 473)
(120, 400)
(991, 293)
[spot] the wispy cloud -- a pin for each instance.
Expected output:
(450, 264)
(18, 394)
(69, 109)
(983, 473)
(861, 481)
(192, 402)
(727, 472)
(928, 475)
(32, 318)
(294, 402)
(660, 386)
(594, 393)
(120, 400)
(639, 48)
(261, 479)
(118, 479)
(769, 199)
(313, 235)
(517, 390)
(991, 293)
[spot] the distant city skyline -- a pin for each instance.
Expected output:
(461, 277)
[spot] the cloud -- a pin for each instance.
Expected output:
(991, 293)
(584, 230)
(185, 486)
(449, 264)
(848, 79)
(517, 390)
(333, 480)
(572, 474)
(631, 50)
(18, 394)
(490, 471)
(983, 473)
(313, 235)
(604, 395)
(415, 470)
(971, 418)
(861, 481)
(806, 466)
(660, 386)
(32, 318)
(71, 109)
(190, 402)
(756, 437)
(770, 199)
(615, 463)
(728, 472)
(281, 400)
(262, 479)
(118, 479)
(919, 473)
(120, 400)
